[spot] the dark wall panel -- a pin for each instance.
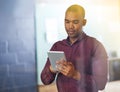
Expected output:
(17, 46)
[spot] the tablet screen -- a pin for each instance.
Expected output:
(55, 56)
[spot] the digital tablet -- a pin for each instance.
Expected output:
(55, 56)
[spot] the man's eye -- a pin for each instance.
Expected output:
(76, 21)
(67, 21)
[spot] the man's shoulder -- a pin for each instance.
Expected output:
(63, 41)
(57, 45)
(90, 38)
(94, 41)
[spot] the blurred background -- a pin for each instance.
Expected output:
(28, 29)
(103, 23)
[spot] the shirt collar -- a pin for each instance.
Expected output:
(82, 35)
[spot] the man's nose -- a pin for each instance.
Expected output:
(71, 25)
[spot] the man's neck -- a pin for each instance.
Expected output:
(73, 40)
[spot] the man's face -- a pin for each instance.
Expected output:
(73, 24)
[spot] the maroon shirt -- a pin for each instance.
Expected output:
(89, 58)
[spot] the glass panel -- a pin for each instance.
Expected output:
(103, 23)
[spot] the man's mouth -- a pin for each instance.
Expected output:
(70, 32)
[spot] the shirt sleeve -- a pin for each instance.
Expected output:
(100, 66)
(47, 76)
(98, 79)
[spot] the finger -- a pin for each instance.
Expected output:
(61, 63)
(70, 63)
(62, 69)
(65, 72)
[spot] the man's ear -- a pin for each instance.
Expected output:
(84, 22)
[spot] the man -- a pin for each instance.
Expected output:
(85, 69)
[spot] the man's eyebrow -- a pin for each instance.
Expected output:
(66, 20)
(76, 20)
(71, 20)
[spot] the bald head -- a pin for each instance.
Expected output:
(76, 9)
